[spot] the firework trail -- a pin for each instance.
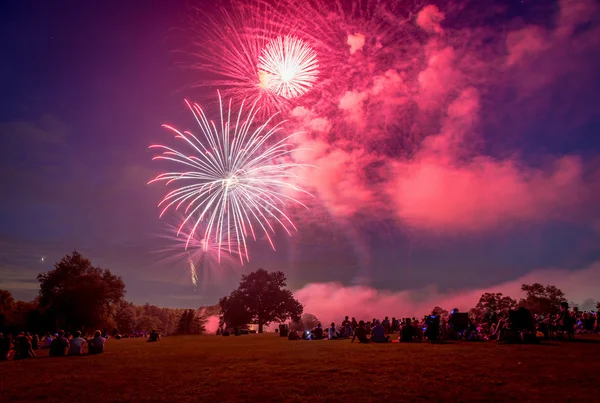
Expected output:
(203, 258)
(238, 181)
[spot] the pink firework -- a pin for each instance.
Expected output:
(288, 67)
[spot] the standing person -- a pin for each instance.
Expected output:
(354, 324)
(59, 345)
(395, 326)
(386, 324)
(96, 345)
(76, 344)
(35, 342)
(23, 348)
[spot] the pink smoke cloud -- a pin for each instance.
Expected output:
(330, 302)
(356, 42)
(429, 19)
(438, 98)
(484, 193)
(336, 177)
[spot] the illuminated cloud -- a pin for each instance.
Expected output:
(331, 302)
(356, 42)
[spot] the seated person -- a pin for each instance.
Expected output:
(378, 333)
(317, 333)
(332, 332)
(96, 345)
(47, 341)
(154, 336)
(23, 348)
(293, 335)
(360, 333)
(408, 332)
(59, 345)
(76, 344)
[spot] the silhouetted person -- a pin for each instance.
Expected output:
(96, 345)
(332, 332)
(23, 348)
(76, 344)
(566, 320)
(154, 336)
(59, 345)
(35, 342)
(4, 347)
(378, 333)
(433, 326)
(408, 332)
(360, 333)
(317, 333)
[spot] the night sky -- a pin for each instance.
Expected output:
(86, 85)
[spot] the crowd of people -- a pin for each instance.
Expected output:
(515, 325)
(24, 345)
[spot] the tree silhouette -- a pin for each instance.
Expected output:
(260, 298)
(494, 302)
(542, 299)
(78, 294)
(191, 323)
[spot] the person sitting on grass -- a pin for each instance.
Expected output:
(317, 333)
(47, 340)
(96, 345)
(154, 336)
(378, 333)
(76, 344)
(293, 335)
(332, 332)
(408, 332)
(59, 345)
(360, 333)
(23, 348)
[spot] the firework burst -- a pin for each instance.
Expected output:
(238, 181)
(288, 67)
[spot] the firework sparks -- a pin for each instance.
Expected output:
(288, 67)
(237, 183)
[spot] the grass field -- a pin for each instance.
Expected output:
(269, 368)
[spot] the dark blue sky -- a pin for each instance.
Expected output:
(85, 87)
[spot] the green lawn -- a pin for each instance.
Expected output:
(269, 368)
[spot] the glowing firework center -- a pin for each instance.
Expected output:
(287, 67)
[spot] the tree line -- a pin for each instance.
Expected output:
(75, 295)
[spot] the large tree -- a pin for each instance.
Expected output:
(191, 323)
(78, 294)
(542, 299)
(494, 302)
(7, 308)
(261, 299)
